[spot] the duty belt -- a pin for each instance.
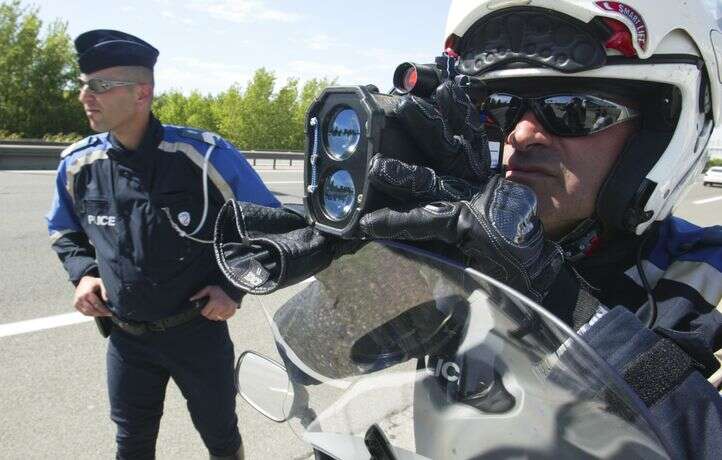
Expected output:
(140, 328)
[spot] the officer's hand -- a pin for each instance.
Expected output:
(220, 307)
(261, 249)
(416, 185)
(494, 223)
(90, 296)
(449, 133)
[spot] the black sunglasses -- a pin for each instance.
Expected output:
(564, 115)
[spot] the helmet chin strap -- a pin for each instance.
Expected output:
(624, 195)
(621, 200)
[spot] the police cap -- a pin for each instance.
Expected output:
(100, 49)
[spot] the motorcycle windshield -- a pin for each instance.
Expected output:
(447, 363)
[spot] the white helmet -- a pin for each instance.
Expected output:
(672, 47)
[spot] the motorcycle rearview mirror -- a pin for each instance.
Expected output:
(265, 385)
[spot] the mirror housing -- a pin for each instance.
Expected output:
(265, 385)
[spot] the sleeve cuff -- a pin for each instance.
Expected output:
(91, 270)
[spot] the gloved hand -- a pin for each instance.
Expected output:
(261, 249)
(416, 184)
(495, 224)
(448, 133)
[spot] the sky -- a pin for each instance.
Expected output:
(208, 45)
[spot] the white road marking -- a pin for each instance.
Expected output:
(40, 324)
(66, 319)
(30, 171)
(708, 200)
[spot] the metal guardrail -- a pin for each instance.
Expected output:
(30, 154)
(253, 155)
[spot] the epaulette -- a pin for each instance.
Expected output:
(80, 145)
(207, 137)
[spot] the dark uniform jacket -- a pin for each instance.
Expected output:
(667, 365)
(683, 266)
(112, 207)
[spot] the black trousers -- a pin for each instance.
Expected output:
(199, 357)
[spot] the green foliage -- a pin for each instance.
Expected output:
(255, 118)
(7, 135)
(195, 110)
(713, 162)
(69, 138)
(309, 93)
(38, 87)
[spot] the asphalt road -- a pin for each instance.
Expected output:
(52, 381)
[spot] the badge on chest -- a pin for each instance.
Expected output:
(184, 218)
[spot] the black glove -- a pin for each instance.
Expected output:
(416, 184)
(495, 225)
(448, 133)
(261, 249)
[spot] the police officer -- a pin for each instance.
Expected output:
(130, 220)
(580, 221)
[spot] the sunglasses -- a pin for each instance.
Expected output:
(99, 85)
(563, 115)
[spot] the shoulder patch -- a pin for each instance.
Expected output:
(80, 145)
(206, 137)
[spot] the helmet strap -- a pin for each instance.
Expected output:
(624, 194)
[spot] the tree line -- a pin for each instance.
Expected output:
(39, 89)
(254, 118)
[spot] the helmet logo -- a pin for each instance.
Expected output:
(630, 13)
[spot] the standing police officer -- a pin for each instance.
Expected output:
(132, 210)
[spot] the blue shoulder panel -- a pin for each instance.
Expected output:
(61, 217)
(241, 178)
(90, 141)
(198, 135)
(682, 240)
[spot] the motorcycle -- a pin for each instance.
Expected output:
(395, 352)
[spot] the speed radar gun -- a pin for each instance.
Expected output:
(345, 127)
